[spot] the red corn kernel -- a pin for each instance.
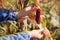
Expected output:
(38, 16)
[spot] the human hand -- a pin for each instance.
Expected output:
(36, 34)
(45, 32)
(29, 11)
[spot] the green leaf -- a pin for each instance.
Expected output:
(2, 31)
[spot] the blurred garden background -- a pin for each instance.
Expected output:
(50, 16)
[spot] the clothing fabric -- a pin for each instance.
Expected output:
(6, 14)
(16, 36)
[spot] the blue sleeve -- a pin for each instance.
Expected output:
(6, 14)
(17, 36)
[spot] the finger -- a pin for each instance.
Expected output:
(40, 26)
(28, 8)
(47, 33)
(40, 30)
(40, 36)
(32, 8)
(35, 8)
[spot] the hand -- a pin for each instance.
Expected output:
(29, 11)
(45, 31)
(36, 34)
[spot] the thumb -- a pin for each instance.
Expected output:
(32, 7)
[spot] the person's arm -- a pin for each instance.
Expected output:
(6, 14)
(23, 35)
(16, 36)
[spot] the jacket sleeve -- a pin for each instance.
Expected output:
(17, 36)
(6, 14)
